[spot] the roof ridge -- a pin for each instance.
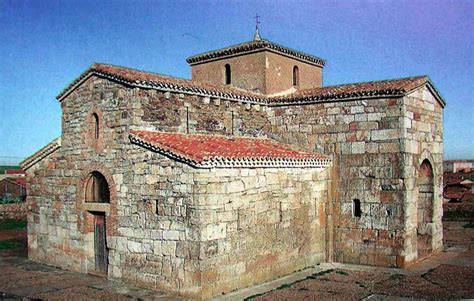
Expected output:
(340, 92)
(139, 70)
(41, 153)
(370, 81)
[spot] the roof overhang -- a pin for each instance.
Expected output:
(213, 151)
(41, 154)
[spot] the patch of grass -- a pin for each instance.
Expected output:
(12, 225)
(283, 286)
(9, 244)
(396, 277)
(342, 272)
(469, 225)
(457, 215)
(322, 273)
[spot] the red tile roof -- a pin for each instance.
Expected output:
(356, 90)
(14, 171)
(145, 79)
(141, 79)
(252, 46)
(206, 151)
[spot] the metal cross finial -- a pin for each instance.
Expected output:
(256, 37)
(257, 21)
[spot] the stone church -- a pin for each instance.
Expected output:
(247, 172)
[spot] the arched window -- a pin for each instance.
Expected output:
(228, 75)
(95, 121)
(296, 76)
(97, 189)
(356, 210)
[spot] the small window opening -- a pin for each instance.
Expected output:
(389, 212)
(296, 76)
(228, 78)
(356, 210)
(95, 120)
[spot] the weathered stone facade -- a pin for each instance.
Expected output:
(200, 232)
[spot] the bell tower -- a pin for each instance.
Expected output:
(258, 66)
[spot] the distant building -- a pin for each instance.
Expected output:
(13, 188)
(457, 165)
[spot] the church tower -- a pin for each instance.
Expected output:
(258, 66)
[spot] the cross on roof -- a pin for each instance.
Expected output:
(256, 37)
(257, 21)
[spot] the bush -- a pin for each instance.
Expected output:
(11, 200)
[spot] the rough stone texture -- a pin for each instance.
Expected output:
(203, 232)
(261, 72)
(258, 224)
(13, 211)
(169, 226)
(423, 140)
(378, 148)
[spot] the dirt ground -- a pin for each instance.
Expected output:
(448, 275)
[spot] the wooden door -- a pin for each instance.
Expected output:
(100, 245)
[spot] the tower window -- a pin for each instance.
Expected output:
(95, 120)
(296, 76)
(228, 79)
(356, 210)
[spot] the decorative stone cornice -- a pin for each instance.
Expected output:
(41, 154)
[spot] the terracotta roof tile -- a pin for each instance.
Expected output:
(252, 46)
(142, 79)
(394, 87)
(206, 151)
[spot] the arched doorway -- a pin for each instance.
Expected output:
(97, 191)
(425, 209)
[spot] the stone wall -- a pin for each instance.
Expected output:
(263, 72)
(247, 72)
(163, 219)
(423, 140)
(193, 114)
(13, 211)
(204, 232)
(279, 73)
(148, 212)
(258, 224)
(363, 137)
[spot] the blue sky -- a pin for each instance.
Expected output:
(44, 45)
